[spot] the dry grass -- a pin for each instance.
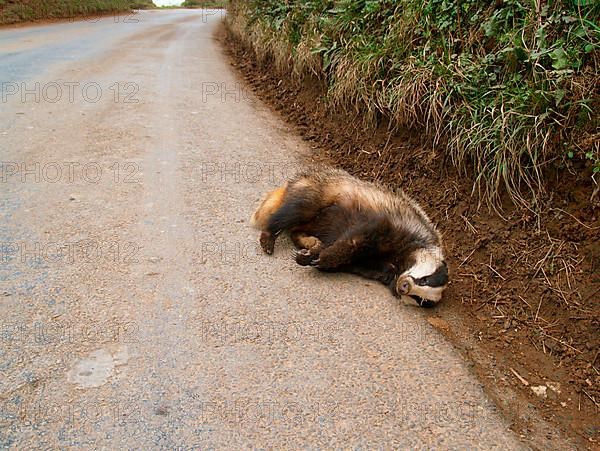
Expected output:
(12, 11)
(504, 111)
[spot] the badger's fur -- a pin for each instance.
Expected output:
(340, 223)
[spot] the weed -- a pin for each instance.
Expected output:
(12, 11)
(499, 84)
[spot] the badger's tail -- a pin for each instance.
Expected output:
(269, 205)
(301, 198)
(296, 202)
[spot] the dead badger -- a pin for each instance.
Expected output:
(340, 223)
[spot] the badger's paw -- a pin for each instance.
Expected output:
(267, 242)
(303, 257)
(325, 263)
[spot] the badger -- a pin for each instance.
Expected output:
(340, 223)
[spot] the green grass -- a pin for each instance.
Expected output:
(204, 3)
(15, 11)
(507, 87)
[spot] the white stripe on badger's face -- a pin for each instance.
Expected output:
(427, 262)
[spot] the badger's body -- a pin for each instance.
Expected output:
(340, 223)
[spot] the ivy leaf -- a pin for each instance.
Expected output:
(569, 19)
(560, 59)
(489, 28)
(570, 154)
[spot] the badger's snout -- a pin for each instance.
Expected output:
(423, 291)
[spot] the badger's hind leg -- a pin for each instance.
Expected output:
(267, 242)
(303, 240)
(309, 248)
(284, 209)
(261, 217)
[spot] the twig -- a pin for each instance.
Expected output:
(540, 263)
(468, 256)
(585, 225)
(521, 378)
(497, 273)
(538, 309)
(469, 225)
(591, 398)
(561, 294)
(595, 193)
(546, 277)
(567, 272)
(519, 296)
(561, 342)
(495, 295)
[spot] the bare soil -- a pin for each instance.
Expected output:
(523, 304)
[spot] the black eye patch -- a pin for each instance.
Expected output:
(438, 279)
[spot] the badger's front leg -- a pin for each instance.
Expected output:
(361, 241)
(384, 272)
(340, 253)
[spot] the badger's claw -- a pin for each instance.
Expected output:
(315, 262)
(304, 257)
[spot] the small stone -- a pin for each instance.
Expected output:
(72, 197)
(540, 390)
(161, 410)
(554, 386)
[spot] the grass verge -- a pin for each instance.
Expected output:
(510, 89)
(15, 11)
(204, 3)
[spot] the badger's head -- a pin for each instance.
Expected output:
(425, 280)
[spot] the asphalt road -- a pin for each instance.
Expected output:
(136, 310)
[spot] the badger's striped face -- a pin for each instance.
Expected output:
(424, 282)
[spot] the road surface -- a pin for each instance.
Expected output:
(136, 308)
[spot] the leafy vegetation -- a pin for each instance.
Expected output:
(509, 86)
(204, 3)
(14, 11)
